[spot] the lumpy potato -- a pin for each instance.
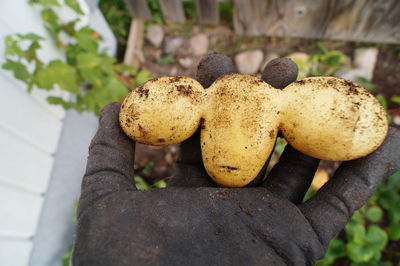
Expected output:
(240, 116)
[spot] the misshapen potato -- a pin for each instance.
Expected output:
(240, 116)
(332, 119)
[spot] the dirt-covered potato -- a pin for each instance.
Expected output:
(240, 116)
(162, 111)
(332, 119)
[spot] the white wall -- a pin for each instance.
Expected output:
(29, 133)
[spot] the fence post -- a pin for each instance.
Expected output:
(172, 10)
(207, 11)
(138, 9)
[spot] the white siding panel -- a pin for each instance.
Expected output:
(14, 252)
(27, 166)
(26, 118)
(19, 210)
(39, 95)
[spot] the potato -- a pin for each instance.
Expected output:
(332, 119)
(163, 111)
(239, 128)
(240, 116)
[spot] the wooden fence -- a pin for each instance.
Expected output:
(352, 20)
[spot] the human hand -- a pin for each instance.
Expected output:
(195, 222)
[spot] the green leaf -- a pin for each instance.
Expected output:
(395, 99)
(376, 237)
(140, 183)
(366, 83)
(66, 258)
(356, 232)
(30, 37)
(87, 39)
(74, 5)
(142, 77)
(59, 101)
(116, 89)
(166, 59)
(12, 47)
(385, 263)
(51, 18)
(96, 68)
(57, 72)
(89, 65)
(381, 98)
(374, 214)
(394, 212)
(394, 232)
(336, 250)
(45, 2)
(126, 69)
(357, 217)
(160, 184)
(19, 70)
(359, 253)
(321, 49)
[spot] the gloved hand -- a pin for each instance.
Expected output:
(194, 222)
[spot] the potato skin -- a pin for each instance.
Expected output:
(239, 128)
(324, 117)
(332, 119)
(162, 111)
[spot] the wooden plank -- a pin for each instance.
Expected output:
(366, 20)
(172, 10)
(361, 20)
(134, 53)
(207, 11)
(138, 9)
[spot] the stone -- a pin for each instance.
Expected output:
(186, 62)
(155, 35)
(364, 64)
(353, 74)
(249, 62)
(396, 120)
(365, 58)
(172, 45)
(174, 71)
(199, 44)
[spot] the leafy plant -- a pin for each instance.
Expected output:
(381, 98)
(92, 76)
(166, 59)
(366, 83)
(326, 62)
(364, 240)
(142, 184)
(156, 13)
(118, 17)
(395, 99)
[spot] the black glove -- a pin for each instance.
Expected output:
(193, 222)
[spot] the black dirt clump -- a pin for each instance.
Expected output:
(213, 66)
(280, 72)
